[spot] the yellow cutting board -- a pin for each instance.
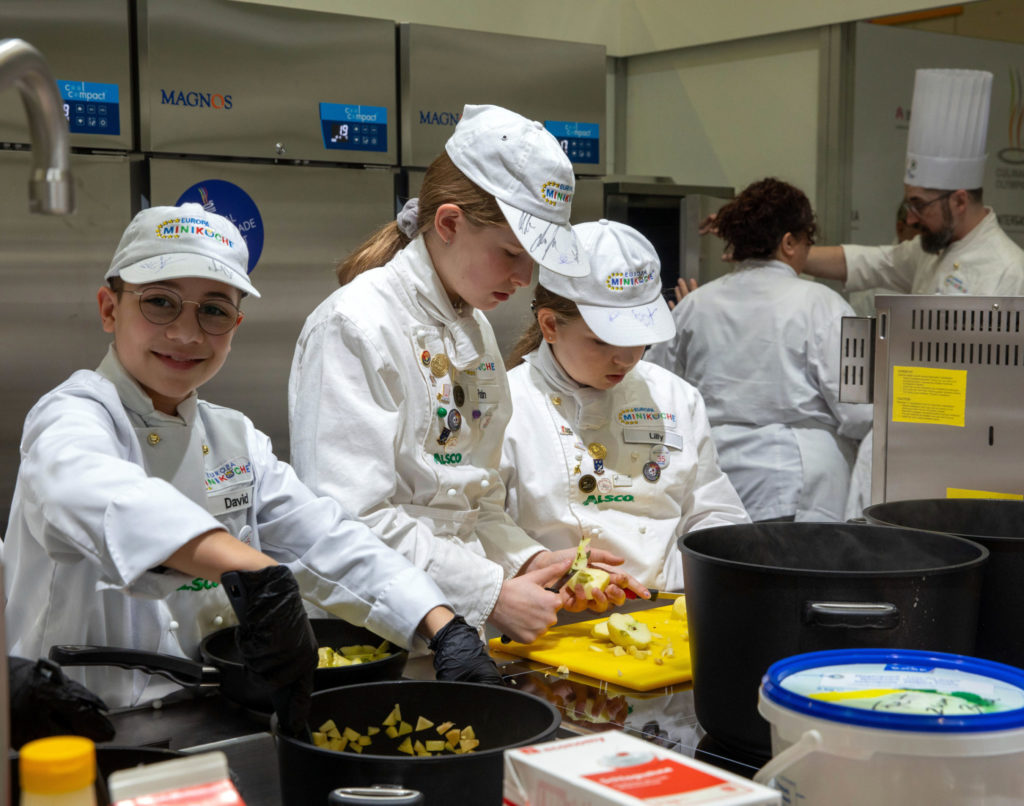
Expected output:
(570, 645)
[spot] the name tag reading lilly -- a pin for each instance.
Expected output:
(639, 435)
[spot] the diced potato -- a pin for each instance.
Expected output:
(319, 739)
(434, 745)
(444, 727)
(406, 746)
(468, 732)
(423, 723)
(394, 717)
(364, 740)
(355, 746)
(419, 747)
(324, 656)
(351, 735)
(453, 735)
(391, 731)
(404, 728)
(468, 744)
(372, 731)
(328, 725)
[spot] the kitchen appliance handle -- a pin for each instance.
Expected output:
(181, 670)
(853, 615)
(377, 795)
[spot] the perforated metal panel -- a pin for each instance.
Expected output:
(857, 339)
(949, 381)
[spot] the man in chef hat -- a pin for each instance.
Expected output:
(961, 248)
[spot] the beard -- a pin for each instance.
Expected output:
(935, 241)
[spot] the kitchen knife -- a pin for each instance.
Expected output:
(656, 594)
(582, 556)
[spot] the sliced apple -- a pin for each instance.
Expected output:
(591, 579)
(600, 630)
(679, 608)
(626, 631)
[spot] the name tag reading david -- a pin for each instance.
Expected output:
(225, 501)
(640, 435)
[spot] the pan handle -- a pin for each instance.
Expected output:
(377, 795)
(181, 670)
(853, 615)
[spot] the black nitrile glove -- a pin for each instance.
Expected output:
(44, 702)
(459, 654)
(276, 639)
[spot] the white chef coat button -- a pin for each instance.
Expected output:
(485, 484)
(172, 626)
(218, 620)
(643, 530)
(452, 491)
(153, 439)
(579, 457)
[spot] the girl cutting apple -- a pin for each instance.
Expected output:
(602, 444)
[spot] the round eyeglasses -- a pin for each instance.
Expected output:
(161, 306)
(917, 207)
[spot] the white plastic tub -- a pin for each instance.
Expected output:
(894, 728)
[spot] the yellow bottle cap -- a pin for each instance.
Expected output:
(57, 764)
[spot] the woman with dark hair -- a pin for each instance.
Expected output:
(398, 399)
(601, 444)
(762, 346)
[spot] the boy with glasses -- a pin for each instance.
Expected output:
(144, 517)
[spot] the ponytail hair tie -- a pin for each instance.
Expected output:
(407, 218)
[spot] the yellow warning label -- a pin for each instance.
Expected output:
(957, 492)
(929, 395)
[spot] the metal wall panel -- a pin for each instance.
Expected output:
(313, 216)
(50, 270)
(231, 79)
(442, 69)
(82, 41)
(954, 424)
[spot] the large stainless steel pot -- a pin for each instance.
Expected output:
(757, 593)
(501, 717)
(999, 527)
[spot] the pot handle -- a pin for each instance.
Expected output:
(809, 743)
(856, 615)
(377, 795)
(181, 670)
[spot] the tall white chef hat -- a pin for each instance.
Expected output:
(521, 164)
(948, 125)
(620, 300)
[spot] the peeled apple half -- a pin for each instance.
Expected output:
(590, 578)
(626, 631)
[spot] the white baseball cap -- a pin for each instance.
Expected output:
(165, 243)
(521, 164)
(620, 300)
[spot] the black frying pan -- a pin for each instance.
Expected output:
(222, 663)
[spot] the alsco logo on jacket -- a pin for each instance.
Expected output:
(638, 415)
(606, 499)
(230, 474)
(211, 100)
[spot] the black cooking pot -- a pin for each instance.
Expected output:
(224, 668)
(501, 718)
(999, 527)
(109, 759)
(757, 593)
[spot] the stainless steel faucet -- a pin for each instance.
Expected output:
(50, 188)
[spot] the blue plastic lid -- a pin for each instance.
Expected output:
(900, 689)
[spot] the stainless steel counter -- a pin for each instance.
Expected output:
(665, 716)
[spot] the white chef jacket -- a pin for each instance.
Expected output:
(984, 263)
(652, 416)
(375, 366)
(762, 346)
(108, 488)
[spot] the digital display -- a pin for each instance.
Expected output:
(580, 141)
(91, 108)
(354, 127)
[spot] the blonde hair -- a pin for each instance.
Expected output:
(442, 184)
(565, 311)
